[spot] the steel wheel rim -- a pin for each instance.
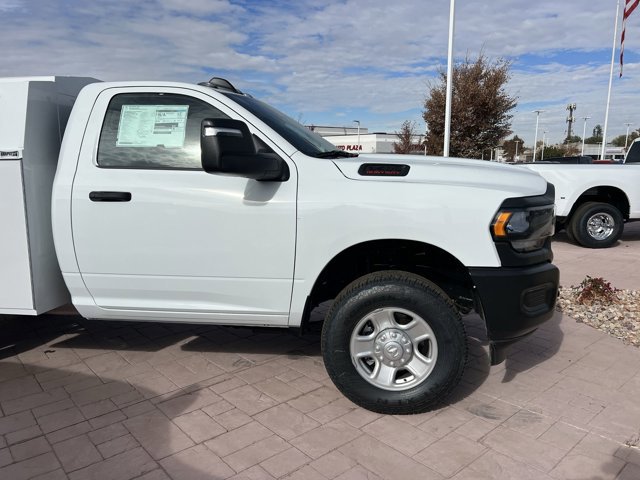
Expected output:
(393, 349)
(601, 226)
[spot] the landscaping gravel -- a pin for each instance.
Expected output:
(620, 318)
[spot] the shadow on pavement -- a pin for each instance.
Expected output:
(530, 352)
(524, 355)
(24, 333)
(237, 348)
(117, 442)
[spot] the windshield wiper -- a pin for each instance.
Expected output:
(335, 154)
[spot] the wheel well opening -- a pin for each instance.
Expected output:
(428, 261)
(604, 194)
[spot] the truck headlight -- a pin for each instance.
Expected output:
(525, 229)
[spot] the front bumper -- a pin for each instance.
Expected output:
(514, 301)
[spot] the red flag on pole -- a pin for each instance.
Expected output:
(629, 7)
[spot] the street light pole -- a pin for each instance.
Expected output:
(516, 155)
(447, 112)
(544, 134)
(584, 133)
(626, 139)
(358, 122)
(606, 112)
(535, 141)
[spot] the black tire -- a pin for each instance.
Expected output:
(569, 231)
(389, 290)
(588, 235)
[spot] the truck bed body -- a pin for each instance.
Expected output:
(33, 117)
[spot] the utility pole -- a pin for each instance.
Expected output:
(570, 119)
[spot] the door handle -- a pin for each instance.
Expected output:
(110, 196)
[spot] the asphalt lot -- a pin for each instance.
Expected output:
(119, 400)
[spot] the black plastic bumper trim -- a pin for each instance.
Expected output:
(514, 301)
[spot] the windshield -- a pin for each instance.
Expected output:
(303, 139)
(633, 155)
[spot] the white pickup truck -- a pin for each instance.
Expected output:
(197, 203)
(594, 201)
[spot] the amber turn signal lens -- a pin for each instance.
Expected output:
(500, 225)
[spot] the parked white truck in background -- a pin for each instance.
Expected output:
(594, 201)
(197, 203)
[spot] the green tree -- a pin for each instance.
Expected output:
(596, 136)
(509, 148)
(619, 141)
(406, 136)
(553, 151)
(480, 108)
(572, 139)
(597, 131)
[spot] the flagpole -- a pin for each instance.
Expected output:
(447, 113)
(613, 54)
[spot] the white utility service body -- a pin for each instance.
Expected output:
(33, 115)
(197, 203)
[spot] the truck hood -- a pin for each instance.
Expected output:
(448, 171)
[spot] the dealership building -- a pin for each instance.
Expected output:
(360, 140)
(352, 139)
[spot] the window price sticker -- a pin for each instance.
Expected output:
(152, 126)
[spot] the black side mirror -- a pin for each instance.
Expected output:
(227, 147)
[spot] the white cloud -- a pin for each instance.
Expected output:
(6, 5)
(317, 58)
(200, 7)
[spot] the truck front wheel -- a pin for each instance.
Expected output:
(394, 343)
(596, 225)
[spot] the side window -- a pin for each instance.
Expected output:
(153, 131)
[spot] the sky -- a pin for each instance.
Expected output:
(329, 63)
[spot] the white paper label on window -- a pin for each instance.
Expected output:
(152, 126)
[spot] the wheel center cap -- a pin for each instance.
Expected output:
(393, 347)
(392, 350)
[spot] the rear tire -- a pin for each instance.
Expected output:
(597, 225)
(569, 230)
(394, 343)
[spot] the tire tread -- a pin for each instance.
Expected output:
(414, 281)
(583, 238)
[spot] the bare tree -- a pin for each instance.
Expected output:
(405, 136)
(481, 108)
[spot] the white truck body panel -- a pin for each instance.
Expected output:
(242, 233)
(197, 247)
(571, 181)
(16, 291)
(216, 246)
(33, 114)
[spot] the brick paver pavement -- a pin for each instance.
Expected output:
(120, 400)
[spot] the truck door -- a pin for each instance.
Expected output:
(158, 238)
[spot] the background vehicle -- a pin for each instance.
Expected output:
(567, 160)
(594, 201)
(197, 203)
